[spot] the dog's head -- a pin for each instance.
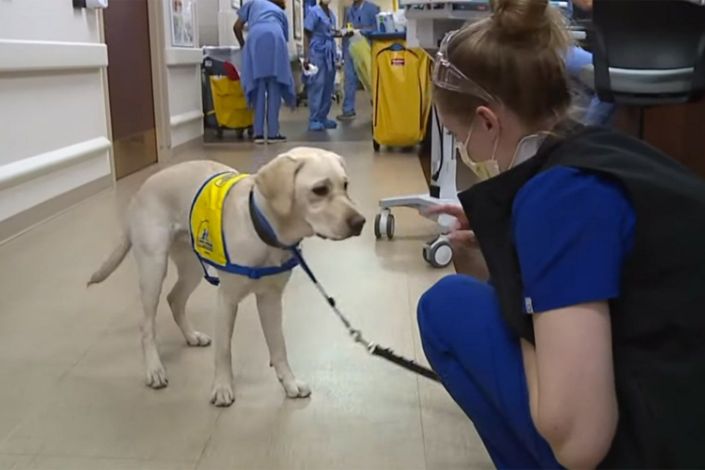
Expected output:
(307, 191)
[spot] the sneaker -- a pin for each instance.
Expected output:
(278, 139)
(259, 139)
(347, 116)
(330, 124)
(316, 126)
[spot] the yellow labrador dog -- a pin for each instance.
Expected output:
(300, 194)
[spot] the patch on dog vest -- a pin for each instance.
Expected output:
(206, 219)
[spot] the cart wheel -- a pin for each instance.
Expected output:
(240, 134)
(250, 131)
(390, 226)
(375, 145)
(438, 253)
(384, 225)
(219, 131)
(424, 254)
(408, 149)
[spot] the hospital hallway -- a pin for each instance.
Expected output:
(73, 394)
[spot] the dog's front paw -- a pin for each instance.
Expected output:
(296, 389)
(156, 377)
(198, 339)
(222, 394)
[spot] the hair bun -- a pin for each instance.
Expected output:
(519, 18)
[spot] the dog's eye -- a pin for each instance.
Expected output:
(345, 185)
(321, 191)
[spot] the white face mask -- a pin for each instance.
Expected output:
(483, 170)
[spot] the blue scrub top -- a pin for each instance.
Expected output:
(321, 25)
(572, 231)
(255, 12)
(363, 17)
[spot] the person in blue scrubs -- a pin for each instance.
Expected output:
(362, 15)
(266, 71)
(572, 232)
(597, 112)
(319, 50)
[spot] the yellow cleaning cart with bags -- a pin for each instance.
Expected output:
(224, 103)
(401, 98)
(229, 103)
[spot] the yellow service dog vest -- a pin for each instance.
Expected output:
(206, 227)
(207, 217)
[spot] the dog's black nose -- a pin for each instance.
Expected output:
(356, 222)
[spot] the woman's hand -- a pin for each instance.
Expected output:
(460, 232)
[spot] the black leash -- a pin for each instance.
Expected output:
(372, 348)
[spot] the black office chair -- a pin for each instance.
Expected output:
(647, 52)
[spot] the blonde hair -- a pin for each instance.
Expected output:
(518, 56)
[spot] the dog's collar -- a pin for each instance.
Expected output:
(264, 229)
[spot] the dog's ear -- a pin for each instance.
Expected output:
(275, 181)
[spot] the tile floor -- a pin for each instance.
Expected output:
(71, 385)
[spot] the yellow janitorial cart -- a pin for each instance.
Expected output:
(401, 91)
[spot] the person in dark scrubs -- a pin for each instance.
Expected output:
(586, 348)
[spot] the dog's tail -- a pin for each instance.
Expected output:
(109, 265)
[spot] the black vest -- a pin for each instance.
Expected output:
(658, 322)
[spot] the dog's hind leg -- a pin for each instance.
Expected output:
(190, 273)
(151, 255)
(269, 305)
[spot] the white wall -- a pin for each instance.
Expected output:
(208, 22)
(183, 79)
(53, 119)
(226, 19)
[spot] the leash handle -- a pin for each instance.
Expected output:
(408, 364)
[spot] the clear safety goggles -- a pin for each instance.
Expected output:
(448, 77)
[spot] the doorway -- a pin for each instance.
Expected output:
(126, 25)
